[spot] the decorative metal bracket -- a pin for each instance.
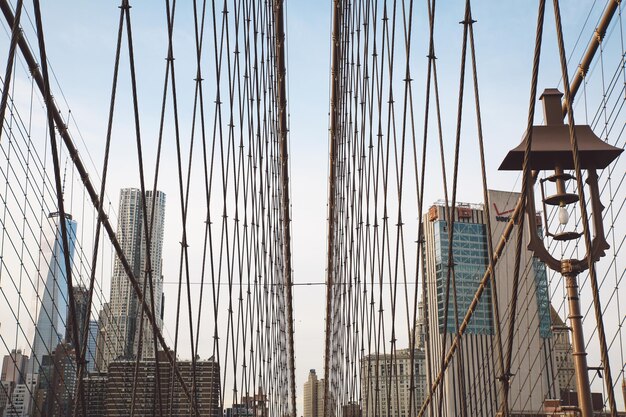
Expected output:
(599, 244)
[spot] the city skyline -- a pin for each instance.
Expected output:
(464, 213)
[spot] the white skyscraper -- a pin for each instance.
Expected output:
(52, 314)
(122, 327)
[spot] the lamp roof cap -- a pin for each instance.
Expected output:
(551, 146)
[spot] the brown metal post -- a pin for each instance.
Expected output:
(583, 387)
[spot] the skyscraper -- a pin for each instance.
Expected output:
(313, 396)
(386, 383)
(81, 299)
(420, 323)
(102, 349)
(92, 339)
(51, 318)
(21, 399)
(532, 365)
(54, 396)
(95, 391)
(14, 367)
(123, 325)
(563, 353)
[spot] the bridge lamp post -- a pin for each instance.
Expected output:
(551, 150)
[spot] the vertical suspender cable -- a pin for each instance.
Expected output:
(279, 36)
(334, 119)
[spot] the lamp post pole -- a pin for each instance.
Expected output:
(583, 389)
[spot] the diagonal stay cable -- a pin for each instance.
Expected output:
(15, 28)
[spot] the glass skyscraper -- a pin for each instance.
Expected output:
(52, 315)
(469, 249)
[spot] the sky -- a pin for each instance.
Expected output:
(81, 36)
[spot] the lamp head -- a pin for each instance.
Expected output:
(551, 146)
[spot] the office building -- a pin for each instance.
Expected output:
(21, 400)
(123, 325)
(250, 406)
(95, 392)
(532, 364)
(43, 395)
(257, 404)
(63, 380)
(55, 392)
(386, 384)
(313, 396)
(6, 388)
(103, 351)
(351, 409)
(81, 300)
(420, 323)
(563, 353)
(92, 341)
(14, 367)
(171, 397)
(239, 410)
(50, 327)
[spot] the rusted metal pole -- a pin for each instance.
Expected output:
(279, 36)
(583, 388)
